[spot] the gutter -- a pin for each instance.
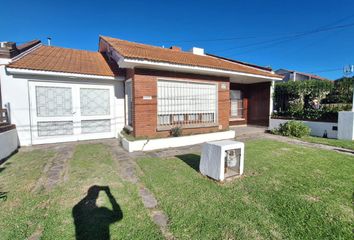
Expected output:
(60, 74)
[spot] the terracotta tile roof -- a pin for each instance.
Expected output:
(56, 59)
(146, 52)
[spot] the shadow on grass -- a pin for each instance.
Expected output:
(3, 196)
(92, 221)
(191, 160)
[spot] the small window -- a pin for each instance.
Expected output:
(236, 104)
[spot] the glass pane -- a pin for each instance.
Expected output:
(95, 126)
(94, 102)
(53, 101)
(55, 128)
(235, 94)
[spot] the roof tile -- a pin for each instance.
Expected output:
(152, 53)
(56, 59)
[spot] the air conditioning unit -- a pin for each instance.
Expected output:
(222, 159)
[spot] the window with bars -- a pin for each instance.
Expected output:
(182, 103)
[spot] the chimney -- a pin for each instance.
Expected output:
(175, 48)
(197, 51)
(8, 49)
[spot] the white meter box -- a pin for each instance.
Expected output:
(222, 159)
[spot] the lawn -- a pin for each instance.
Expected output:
(288, 192)
(66, 212)
(331, 142)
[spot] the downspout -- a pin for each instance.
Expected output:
(29, 112)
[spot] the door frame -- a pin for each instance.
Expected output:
(76, 116)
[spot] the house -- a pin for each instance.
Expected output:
(291, 75)
(56, 94)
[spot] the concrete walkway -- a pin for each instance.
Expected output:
(128, 171)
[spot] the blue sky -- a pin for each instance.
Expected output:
(267, 33)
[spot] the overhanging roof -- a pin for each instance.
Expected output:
(146, 54)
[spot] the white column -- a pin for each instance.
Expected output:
(271, 103)
(346, 125)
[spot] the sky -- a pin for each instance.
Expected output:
(308, 36)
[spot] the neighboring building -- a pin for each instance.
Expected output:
(57, 94)
(291, 75)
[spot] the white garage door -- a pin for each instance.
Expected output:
(63, 112)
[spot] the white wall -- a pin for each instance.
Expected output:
(317, 128)
(14, 89)
(15, 92)
(8, 143)
(346, 125)
(170, 142)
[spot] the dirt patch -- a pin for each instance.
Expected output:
(312, 198)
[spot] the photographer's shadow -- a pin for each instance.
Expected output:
(91, 221)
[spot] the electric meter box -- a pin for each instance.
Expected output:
(222, 159)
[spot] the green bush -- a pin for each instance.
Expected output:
(290, 96)
(176, 131)
(293, 129)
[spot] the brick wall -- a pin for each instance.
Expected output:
(145, 111)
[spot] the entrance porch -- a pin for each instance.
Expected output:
(250, 103)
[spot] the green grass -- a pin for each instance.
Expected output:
(288, 192)
(52, 213)
(331, 142)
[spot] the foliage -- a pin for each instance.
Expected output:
(293, 129)
(342, 91)
(313, 99)
(300, 94)
(176, 131)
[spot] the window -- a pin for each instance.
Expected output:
(186, 103)
(96, 126)
(94, 102)
(53, 101)
(55, 128)
(236, 104)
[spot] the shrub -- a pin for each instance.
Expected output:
(176, 131)
(293, 129)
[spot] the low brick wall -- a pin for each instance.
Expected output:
(8, 141)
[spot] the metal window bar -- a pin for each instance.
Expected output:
(237, 108)
(186, 104)
(4, 117)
